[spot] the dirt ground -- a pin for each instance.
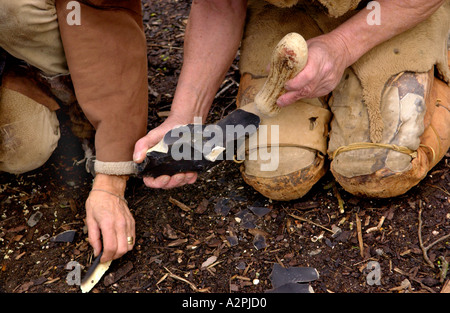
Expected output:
(217, 222)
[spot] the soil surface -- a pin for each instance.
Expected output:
(221, 238)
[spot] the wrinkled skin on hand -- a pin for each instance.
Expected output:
(327, 61)
(108, 218)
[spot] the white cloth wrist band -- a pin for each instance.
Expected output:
(115, 168)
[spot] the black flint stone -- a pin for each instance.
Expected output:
(159, 163)
(281, 276)
(66, 236)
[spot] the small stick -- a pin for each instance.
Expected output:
(425, 249)
(162, 278)
(378, 227)
(360, 238)
(441, 189)
(240, 277)
(444, 269)
(179, 204)
(170, 274)
(308, 221)
(224, 89)
(339, 198)
(411, 277)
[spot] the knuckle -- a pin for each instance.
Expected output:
(121, 251)
(106, 224)
(121, 222)
(110, 249)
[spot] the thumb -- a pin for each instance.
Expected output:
(152, 138)
(298, 87)
(145, 143)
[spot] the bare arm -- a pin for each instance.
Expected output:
(396, 17)
(332, 53)
(212, 39)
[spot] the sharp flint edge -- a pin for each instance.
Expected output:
(94, 274)
(214, 154)
(159, 147)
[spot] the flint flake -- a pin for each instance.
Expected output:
(222, 206)
(259, 242)
(66, 236)
(259, 211)
(281, 276)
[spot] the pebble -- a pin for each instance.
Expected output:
(34, 219)
(315, 252)
(241, 265)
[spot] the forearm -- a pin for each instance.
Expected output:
(357, 36)
(212, 38)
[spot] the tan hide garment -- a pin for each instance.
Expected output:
(416, 50)
(335, 8)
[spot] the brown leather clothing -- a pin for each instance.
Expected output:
(107, 60)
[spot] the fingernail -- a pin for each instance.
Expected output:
(137, 156)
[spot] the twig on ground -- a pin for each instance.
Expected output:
(360, 238)
(425, 249)
(412, 277)
(162, 279)
(444, 269)
(193, 287)
(378, 227)
(339, 198)
(308, 221)
(240, 277)
(220, 92)
(440, 188)
(179, 204)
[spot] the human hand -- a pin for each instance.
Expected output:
(151, 139)
(108, 217)
(327, 61)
